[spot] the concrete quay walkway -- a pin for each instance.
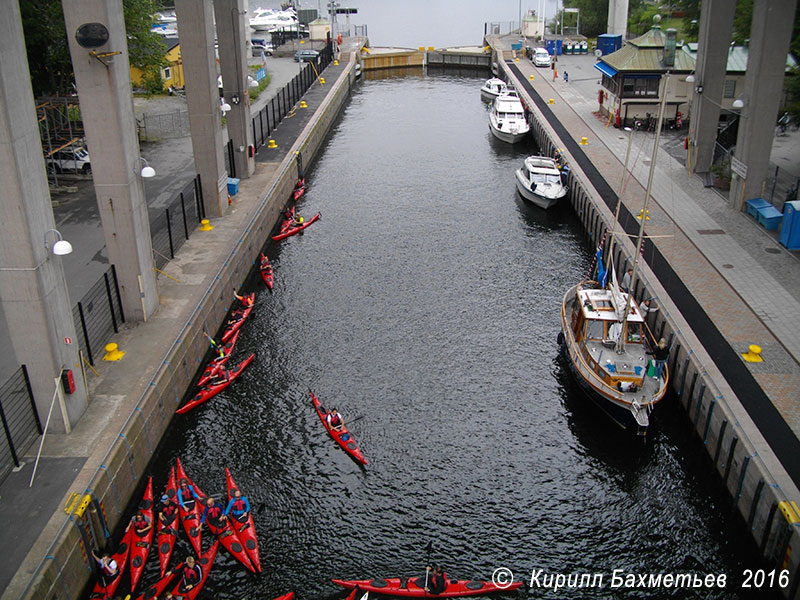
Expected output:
(743, 281)
(31, 519)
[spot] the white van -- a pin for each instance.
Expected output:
(541, 58)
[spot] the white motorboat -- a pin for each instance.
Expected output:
(266, 19)
(541, 182)
(507, 120)
(492, 88)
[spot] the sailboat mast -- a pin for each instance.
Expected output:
(619, 199)
(640, 239)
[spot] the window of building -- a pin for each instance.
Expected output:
(729, 88)
(166, 73)
(640, 87)
(610, 84)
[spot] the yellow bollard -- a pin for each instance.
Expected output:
(516, 60)
(205, 225)
(272, 144)
(422, 48)
(113, 352)
(753, 354)
(551, 101)
(303, 104)
(646, 215)
(530, 77)
(335, 63)
(584, 141)
(322, 81)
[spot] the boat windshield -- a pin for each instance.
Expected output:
(594, 330)
(545, 178)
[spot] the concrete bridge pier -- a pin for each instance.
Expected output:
(770, 35)
(33, 291)
(104, 88)
(196, 33)
(230, 16)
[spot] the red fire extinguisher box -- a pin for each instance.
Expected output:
(68, 381)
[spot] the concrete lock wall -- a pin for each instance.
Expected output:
(752, 487)
(66, 569)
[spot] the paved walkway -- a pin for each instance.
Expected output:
(747, 284)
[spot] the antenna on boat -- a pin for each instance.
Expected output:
(621, 340)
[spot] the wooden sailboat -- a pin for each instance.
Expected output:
(606, 341)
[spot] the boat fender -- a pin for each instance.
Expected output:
(560, 338)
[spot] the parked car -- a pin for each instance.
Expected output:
(541, 58)
(259, 47)
(69, 160)
(307, 54)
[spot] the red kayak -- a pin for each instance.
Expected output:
(155, 590)
(191, 518)
(266, 271)
(140, 545)
(205, 563)
(121, 558)
(414, 587)
(210, 390)
(167, 534)
(343, 437)
(238, 317)
(288, 596)
(245, 531)
(293, 229)
(299, 189)
(228, 539)
(213, 366)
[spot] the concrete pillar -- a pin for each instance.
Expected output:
(196, 34)
(231, 24)
(104, 90)
(770, 34)
(716, 21)
(618, 17)
(33, 291)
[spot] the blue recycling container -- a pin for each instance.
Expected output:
(790, 229)
(608, 43)
(551, 47)
(233, 186)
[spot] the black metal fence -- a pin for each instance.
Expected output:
(19, 418)
(268, 118)
(171, 227)
(98, 314)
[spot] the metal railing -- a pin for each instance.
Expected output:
(98, 314)
(152, 128)
(269, 117)
(19, 418)
(171, 228)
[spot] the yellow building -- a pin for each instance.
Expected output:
(172, 74)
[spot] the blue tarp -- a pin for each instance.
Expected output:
(605, 69)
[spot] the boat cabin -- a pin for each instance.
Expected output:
(541, 170)
(597, 327)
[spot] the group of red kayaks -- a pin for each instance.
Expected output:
(216, 376)
(237, 536)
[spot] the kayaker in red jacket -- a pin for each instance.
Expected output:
(191, 573)
(334, 420)
(186, 495)
(437, 580)
(167, 511)
(141, 524)
(238, 506)
(109, 570)
(246, 300)
(213, 513)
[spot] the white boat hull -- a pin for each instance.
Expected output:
(542, 200)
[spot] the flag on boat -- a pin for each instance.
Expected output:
(602, 274)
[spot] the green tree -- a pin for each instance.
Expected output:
(691, 17)
(46, 42)
(593, 15)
